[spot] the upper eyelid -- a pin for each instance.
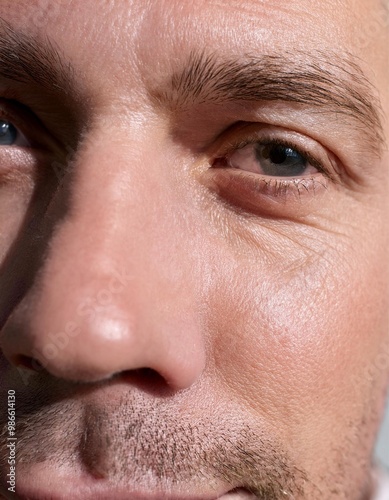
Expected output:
(250, 134)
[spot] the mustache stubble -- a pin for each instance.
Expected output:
(150, 443)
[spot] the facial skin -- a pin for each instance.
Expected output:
(175, 322)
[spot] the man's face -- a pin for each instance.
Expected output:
(193, 247)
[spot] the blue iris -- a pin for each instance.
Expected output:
(280, 161)
(8, 133)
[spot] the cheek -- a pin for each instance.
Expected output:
(298, 347)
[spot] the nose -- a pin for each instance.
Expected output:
(117, 290)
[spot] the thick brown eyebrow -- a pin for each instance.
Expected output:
(34, 61)
(325, 82)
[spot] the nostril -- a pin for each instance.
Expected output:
(148, 380)
(28, 363)
(148, 375)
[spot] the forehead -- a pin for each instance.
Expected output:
(257, 22)
(105, 38)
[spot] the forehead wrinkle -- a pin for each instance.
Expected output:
(326, 82)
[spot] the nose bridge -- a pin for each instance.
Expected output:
(121, 204)
(123, 231)
(114, 295)
(108, 225)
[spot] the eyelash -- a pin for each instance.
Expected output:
(283, 189)
(276, 187)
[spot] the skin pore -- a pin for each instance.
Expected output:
(176, 322)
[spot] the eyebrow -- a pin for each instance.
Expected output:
(327, 82)
(33, 61)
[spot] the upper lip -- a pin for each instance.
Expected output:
(110, 494)
(91, 489)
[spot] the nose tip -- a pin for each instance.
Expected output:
(110, 342)
(91, 350)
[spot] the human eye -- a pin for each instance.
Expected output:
(273, 158)
(20, 128)
(25, 144)
(11, 135)
(271, 168)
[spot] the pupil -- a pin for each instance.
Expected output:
(280, 161)
(4, 128)
(279, 154)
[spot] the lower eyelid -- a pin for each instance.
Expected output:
(16, 162)
(257, 195)
(277, 186)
